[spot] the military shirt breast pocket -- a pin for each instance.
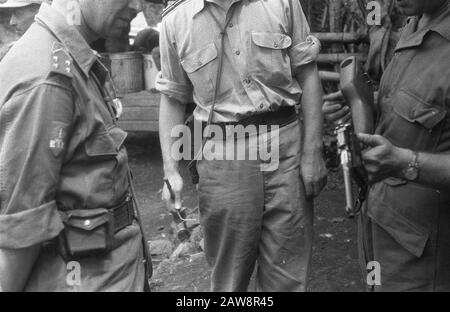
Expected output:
(108, 156)
(269, 58)
(416, 124)
(200, 68)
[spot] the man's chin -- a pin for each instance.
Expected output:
(19, 32)
(407, 11)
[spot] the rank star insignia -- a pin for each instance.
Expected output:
(57, 140)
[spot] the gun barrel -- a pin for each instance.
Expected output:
(348, 189)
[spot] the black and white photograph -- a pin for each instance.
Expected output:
(224, 151)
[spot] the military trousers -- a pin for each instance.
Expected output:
(257, 216)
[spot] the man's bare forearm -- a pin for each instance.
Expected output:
(171, 114)
(308, 78)
(15, 267)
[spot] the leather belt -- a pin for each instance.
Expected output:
(281, 117)
(123, 214)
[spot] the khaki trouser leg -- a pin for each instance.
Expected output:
(251, 215)
(286, 238)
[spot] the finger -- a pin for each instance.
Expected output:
(344, 112)
(309, 192)
(346, 118)
(333, 96)
(166, 197)
(331, 107)
(177, 203)
(324, 182)
(319, 187)
(371, 140)
(316, 189)
(177, 189)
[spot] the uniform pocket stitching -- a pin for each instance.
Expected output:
(420, 111)
(276, 41)
(196, 60)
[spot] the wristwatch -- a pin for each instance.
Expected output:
(412, 172)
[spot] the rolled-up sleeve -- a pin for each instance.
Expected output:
(305, 48)
(34, 130)
(172, 80)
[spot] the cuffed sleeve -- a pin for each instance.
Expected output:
(305, 48)
(30, 227)
(178, 91)
(172, 80)
(305, 52)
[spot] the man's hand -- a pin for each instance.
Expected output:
(383, 160)
(176, 182)
(314, 173)
(334, 108)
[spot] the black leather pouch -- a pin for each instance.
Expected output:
(86, 233)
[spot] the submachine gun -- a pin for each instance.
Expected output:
(357, 89)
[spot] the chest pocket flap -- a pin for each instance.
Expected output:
(198, 59)
(414, 109)
(106, 143)
(271, 40)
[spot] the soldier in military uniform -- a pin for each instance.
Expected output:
(247, 63)
(405, 223)
(67, 219)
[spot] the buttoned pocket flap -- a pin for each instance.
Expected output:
(271, 40)
(198, 59)
(87, 219)
(102, 144)
(414, 109)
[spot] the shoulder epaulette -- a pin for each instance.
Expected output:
(172, 6)
(61, 60)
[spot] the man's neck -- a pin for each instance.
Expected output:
(82, 28)
(224, 4)
(428, 17)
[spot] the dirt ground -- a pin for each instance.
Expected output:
(335, 258)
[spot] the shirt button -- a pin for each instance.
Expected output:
(237, 52)
(87, 222)
(231, 25)
(275, 45)
(261, 106)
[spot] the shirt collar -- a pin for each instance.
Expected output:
(411, 38)
(199, 5)
(69, 36)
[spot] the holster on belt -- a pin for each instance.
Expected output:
(90, 232)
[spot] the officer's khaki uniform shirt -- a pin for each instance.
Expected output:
(265, 43)
(413, 245)
(60, 149)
